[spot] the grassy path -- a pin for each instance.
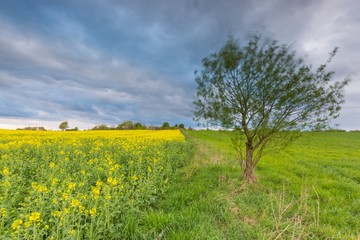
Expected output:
(290, 202)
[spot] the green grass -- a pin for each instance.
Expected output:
(311, 190)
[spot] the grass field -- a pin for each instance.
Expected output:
(311, 190)
(139, 185)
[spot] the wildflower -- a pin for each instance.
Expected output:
(99, 183)
(95, 191)
(6, 171)
(66, 211)
(34, 217)
(64, 196)
(92, 212)
(71, 185)
(3, 212)
(134, 178)
(16, 224)
(75, 202)
(56, 213)
(112, 181)
(52, 165)
(54, 181)
(38, 187)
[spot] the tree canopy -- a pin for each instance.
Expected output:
(64, 125)
(263, 89)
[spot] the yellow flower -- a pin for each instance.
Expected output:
(16, 224)
(6, 171)
(92, 212)
(3, 212)
(52, 165)
(66, 211)
(112, 181)
(95, 191)
(38, 187)
(56, 213)
(98, 183)
(71, 185)
(134, 178)
(75, 202)
(34, 217)
(64, 196)
(54, 181)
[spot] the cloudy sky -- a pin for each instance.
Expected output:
(101, 61)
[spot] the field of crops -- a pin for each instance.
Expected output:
(76, 185)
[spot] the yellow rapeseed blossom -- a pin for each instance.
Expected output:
(34, 217)
(95, 191)
(92, 212)
(16, 224)
(52, 165)
(75, 202)
(38, 187)
(134, 178)
(3, 212)
(6, 171)
(56, 213)
(64, 196)
(71, 185)
(112, 181)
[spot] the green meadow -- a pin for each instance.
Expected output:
(310, 190)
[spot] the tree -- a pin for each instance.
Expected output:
(138, 126)
(127, 125)
(101, 127)
(64, 125)
(181, 125)
(264, 92)
(165, 125)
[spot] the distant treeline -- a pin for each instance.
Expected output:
(32, 128)
(129, 125)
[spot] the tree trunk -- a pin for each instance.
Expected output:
(249, 175)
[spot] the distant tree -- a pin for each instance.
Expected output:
(138, 126)
(127, 125)
(64, 125)
(165, 125)
(181, 126)
(264, 92)
(73, 129)
(100, 127)
(33, 128)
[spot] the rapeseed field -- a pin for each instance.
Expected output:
(82, 185)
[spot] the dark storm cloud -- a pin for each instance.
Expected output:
(108, 61)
